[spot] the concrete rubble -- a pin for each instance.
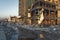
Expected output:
(13, 31)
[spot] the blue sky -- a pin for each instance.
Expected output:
(8, 8)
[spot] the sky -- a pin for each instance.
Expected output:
(8, 8)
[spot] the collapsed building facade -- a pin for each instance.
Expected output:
(49, 13)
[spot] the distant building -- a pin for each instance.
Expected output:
(24, 5)
(15, 19)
